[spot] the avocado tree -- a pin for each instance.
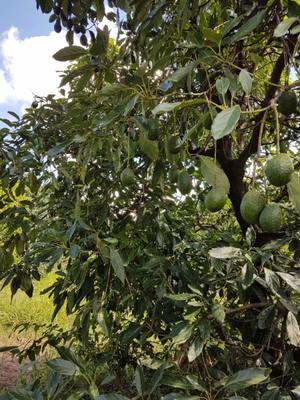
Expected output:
(163, 187)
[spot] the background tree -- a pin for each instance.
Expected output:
(109, 185)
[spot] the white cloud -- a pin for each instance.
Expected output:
(28, 66)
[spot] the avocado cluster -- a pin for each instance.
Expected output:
(254, 209)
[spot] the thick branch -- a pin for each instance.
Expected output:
(252, 146)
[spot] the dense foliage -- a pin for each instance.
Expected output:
(174, 294)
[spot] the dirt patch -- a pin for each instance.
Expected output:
(11, 371)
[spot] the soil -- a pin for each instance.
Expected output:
(11, 371)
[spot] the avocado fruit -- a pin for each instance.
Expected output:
(287, 103)
(279, 170)
(251, 206)
(127, 177)
(271, 219)
(215, 199)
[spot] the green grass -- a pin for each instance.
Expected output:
(37, 309)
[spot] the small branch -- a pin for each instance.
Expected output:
(246, 307)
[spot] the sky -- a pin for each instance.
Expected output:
(27, 43)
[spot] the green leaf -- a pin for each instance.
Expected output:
(230, 25)
(295, 30)
(222, 85)
(188, 382)
(246, 81)
(117, 264)
(103, 321)
(149, 147)
(218, 312)
(156, 378)
(293, 329)
(181, 73)
(293, 280)
(131, 104)
(247, 275)
(111, 396)
(107, 380)
(69, 53)
(272, 280)
(213, 173)
(294, 191)
(139, 380)
(113, 89)
(266, 317)
(224, 252)
(64, 367)
(181, 332)
(296, 392)
(180, 296)
(211, 35)
(284, 26)
(271, 394)
(195, 349)
(247, 377)
(165, 108)
(237, 398)
(225, 122)
(246, 28)
(178, 396)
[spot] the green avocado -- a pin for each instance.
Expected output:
(215, 199)
(279, 170)
(173, 144)
(153, 129)
(173, 174)
(184, 182)
(252, 204)
(271, 219)
(287, 103)
(127, 177)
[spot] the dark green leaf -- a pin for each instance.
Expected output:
(69, 53)
(293, 329)
(117, 264)
(246, 28)
(247, 377)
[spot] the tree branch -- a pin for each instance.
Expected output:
(252, 146)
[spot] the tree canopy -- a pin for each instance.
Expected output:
(131, 185)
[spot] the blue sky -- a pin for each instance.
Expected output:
(20, 22)
(24, 15)
(27, 43)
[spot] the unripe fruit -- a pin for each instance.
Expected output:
(83, 40)
(153, 129)
(271, 219)
(215, 199)
(173, 144)
(279, 170)
(127, 177)
(184, 182)
(287, 103)
(251, 206)
(173, 174)
(57, 26)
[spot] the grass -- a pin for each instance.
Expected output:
(22, 309)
